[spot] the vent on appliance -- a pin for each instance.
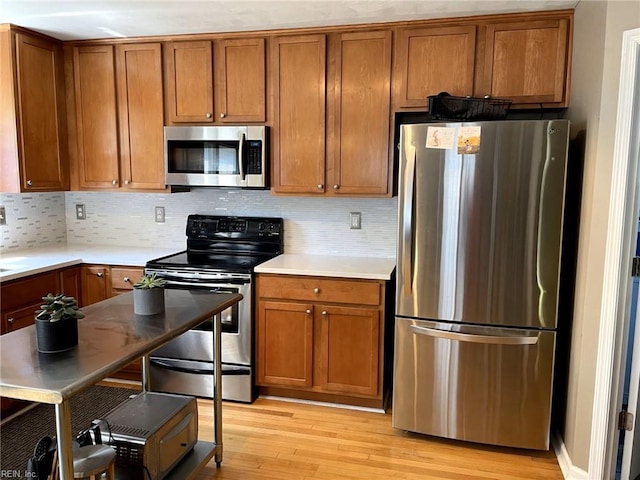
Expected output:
(132, 431)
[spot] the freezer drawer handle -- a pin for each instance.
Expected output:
(470, 338)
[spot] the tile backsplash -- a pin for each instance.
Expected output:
(33, 220)
(312, 225)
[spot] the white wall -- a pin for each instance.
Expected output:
(594, 91)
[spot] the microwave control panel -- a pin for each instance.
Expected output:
(254, 157)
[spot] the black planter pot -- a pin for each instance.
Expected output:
(60, 336)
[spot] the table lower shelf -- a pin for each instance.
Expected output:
(186, 469)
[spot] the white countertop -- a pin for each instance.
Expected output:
(330, 266)
(26, 262)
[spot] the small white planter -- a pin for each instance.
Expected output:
(148, 301)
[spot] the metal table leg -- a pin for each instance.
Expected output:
(217, 397)
(146, 386)
(63, 432)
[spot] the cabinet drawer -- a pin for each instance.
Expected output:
(320, 289)
(29, 290)
(123, 278)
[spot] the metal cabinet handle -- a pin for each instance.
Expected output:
(99, 274)
(208, 115)
(29, 183)
(336, 187)
(320, 186)
(316, 290)
(126, 280)
(308, 311)
(126, 182)
(324, 312)
(114, 182)
(222, 115)
(11, 320)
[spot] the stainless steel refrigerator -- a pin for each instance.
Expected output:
(479, 249)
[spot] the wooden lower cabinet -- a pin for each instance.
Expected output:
(327, 350)
(21, 299)
(96, 283)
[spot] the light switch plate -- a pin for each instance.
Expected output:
(3, 217)
(81, 213)
(355, 220)
(159, 214)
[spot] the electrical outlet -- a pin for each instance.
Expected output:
(81, 213)
(3, 218)
(355, 220)
(159, 214)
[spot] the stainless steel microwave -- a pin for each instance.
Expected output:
(211, 156)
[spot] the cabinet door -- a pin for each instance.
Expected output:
(299, 92)
(17, 318)
(350, 349)
(241, 81)
(526, 62)
(41, 118)
(433, 60)
(96, 122)
(359, 162)
(96, 284)
(140, 115)
(285, 344)
(71, 283)
(189, 82)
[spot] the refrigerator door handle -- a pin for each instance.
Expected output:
(471, 338)
(407, 232)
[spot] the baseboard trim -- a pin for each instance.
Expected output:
(569, 470)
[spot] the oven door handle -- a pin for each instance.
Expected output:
(226, 369)
(205, 281)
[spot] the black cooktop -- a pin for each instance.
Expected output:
(226, 244)
(209, 262)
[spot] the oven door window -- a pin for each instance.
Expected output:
(229, 320)
(220, 157)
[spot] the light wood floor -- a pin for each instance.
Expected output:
(273, 439)
(280, 440)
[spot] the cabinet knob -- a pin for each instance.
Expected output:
(99, 274)
(29, 183)
(208, 115)
(126, 182)
(11, 320)
(316, 290)
(126, 280)
(222, 115)
(308, 311)
(114, 182)
(336, 186)
(324, 312)
(320, 186)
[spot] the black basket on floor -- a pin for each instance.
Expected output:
(446, 107)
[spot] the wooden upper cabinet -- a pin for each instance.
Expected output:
(299, 92)
(241, 80)
(360, 107)
(140, 115)
(189, 82)
(527, 62)
(32, 112)
(432, 60)
(96, 118)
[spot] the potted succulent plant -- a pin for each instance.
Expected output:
(57, 323)
(148, 295)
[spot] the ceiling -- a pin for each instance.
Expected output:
(91, 19)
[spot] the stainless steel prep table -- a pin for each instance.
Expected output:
(110, 337)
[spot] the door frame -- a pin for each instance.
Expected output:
(622, 224)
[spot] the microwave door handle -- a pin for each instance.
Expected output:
(241, 159)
